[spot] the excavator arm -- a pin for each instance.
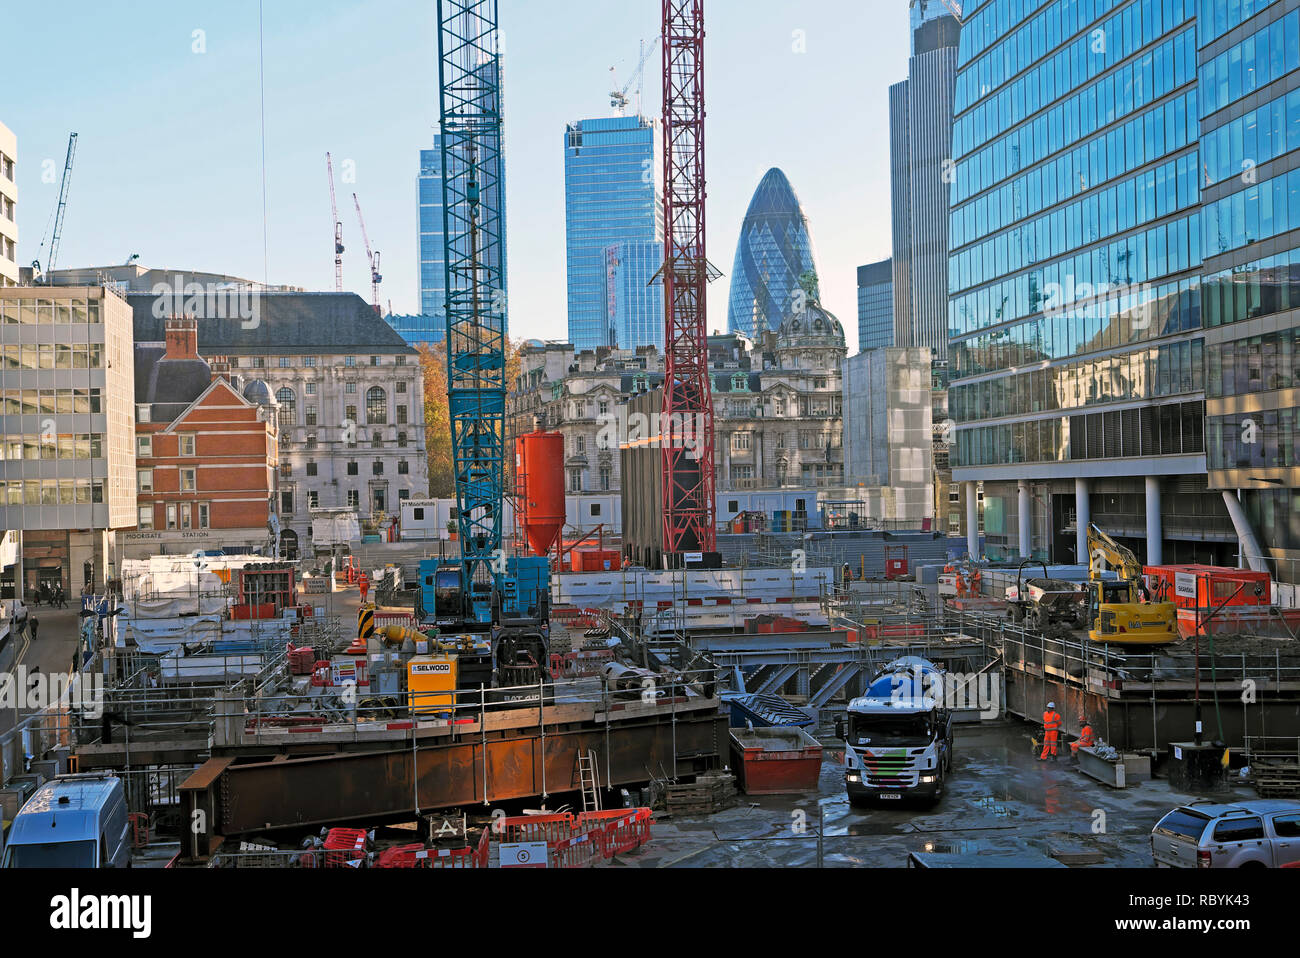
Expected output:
(1103, 549)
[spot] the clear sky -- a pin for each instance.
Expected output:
(169, 155)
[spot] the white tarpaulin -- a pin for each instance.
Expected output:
(159, 635)
(338, 529)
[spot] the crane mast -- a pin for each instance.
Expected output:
(60, 210)
(372, 257)
(473, 224)
(688, 481)
(338, 228)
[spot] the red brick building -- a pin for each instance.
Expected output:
(206, 451)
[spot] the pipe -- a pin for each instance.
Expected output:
(1247, 542)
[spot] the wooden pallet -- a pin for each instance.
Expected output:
(1276, 779)
(708, 794)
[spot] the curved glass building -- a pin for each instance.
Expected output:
(775, 249)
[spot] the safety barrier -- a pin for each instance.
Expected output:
(404, 619)
(581, 841)
(343, 846)
(537, 828)
(580, 851)
(417, 856)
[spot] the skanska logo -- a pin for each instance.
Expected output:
(77, 912)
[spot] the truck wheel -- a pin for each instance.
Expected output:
(939, 789)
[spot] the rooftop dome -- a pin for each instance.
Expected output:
(259, 393)
(814, 325)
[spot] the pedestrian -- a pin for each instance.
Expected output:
(34, 623)
(1051, 731)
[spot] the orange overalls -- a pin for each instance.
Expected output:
(1085, 739)
(364, 582)
(1051, 730)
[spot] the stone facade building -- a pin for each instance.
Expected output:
(348, 392)
(777, 404)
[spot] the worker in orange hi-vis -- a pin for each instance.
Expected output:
(1051, 731)
(1086, 739)
(363, 581)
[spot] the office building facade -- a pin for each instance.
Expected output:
(8, 207)
(1249, 84)
(774, 262)
(920, 125)
(634, 294)
(610, 197)
(416, 330)
(1077, 354)
(67, 450)
(876, 305)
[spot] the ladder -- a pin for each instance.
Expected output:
(589, 779)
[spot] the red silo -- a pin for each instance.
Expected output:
(539, 479)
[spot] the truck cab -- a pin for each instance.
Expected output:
(75, 821)
(898, 736)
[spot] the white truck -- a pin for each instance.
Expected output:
(898, 736)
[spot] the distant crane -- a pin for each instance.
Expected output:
(618, 98)
(338, 229)
(371, 257)
(58, 215)
(954, 8)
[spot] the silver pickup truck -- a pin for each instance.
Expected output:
(1256, 833)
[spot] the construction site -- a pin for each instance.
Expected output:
(684, 693)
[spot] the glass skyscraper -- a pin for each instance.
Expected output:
(920, 151)
(1249, 86)
(875, 305)
(634, 294)
(432, 239)
(775, 249)
(1077, 350)
(432, 242)
(610, 197)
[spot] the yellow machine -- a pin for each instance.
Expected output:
(431, 680)
(1118, 614)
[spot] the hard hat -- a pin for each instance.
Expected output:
(1051, 705)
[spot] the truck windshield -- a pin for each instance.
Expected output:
(51, 855)
(892, 730)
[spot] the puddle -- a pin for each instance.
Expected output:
(996, 808)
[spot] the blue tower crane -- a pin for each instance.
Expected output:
(485, 588)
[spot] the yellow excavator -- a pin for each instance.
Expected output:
(1119, 615)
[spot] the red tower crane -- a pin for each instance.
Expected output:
(371, 257)
(338, 229)
(687, 420)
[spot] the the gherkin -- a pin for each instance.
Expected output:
(774, 252)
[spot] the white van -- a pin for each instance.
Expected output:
(75, 821)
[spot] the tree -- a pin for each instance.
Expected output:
(437, 420)
(437, 416)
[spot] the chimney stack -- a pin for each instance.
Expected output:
(182, 337)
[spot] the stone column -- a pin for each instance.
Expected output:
(1083, 516)
(972, 521)
(1155, 537)
(1025, 511)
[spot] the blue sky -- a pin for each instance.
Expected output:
(169, 158)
